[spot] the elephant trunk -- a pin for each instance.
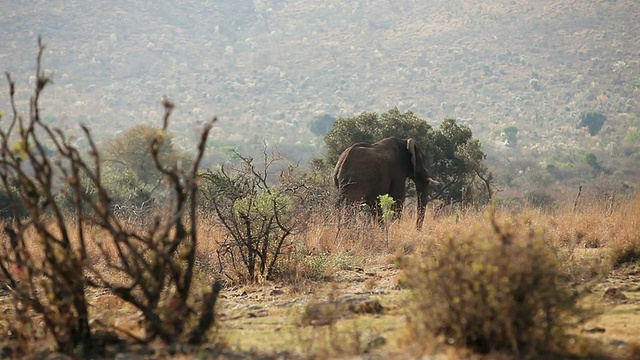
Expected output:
(422, 203)
(423, 199)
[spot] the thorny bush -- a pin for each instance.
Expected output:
(259, 217)
(44, 261)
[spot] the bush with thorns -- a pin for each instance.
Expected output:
(259, 215)
(44, 260)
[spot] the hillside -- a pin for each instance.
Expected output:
(519, 73)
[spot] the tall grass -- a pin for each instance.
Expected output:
(593, 238)
(577, 247)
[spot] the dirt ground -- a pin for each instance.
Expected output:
(361, 313)
(276, 318)
(280, 319)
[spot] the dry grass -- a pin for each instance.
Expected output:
(584, 241)
(589, 244)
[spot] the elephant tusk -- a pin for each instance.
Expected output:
(431, 181)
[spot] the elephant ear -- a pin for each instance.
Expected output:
(411, 146)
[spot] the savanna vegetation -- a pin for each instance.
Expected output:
(133, 247)
(547, 88)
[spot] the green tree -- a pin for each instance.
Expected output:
(453, 156)
(457, 161)
(371, 127)
(592, 160)
(131, 150)
(508, 133)
(593, 121)
(129, 169)
(322, 124)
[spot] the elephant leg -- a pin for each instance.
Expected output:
(379, 214)
(397, 208)
(398, 193)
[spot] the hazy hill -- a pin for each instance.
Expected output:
(519, 73)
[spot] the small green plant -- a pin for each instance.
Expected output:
(387, 204)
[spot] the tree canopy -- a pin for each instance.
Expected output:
(128, 164)
(453, 155)
(131, 150)
(322, 124)
(371, 127)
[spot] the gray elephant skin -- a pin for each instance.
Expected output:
(365, 171)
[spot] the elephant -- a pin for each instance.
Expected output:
(365, 171)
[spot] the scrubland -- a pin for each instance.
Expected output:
(475, 283)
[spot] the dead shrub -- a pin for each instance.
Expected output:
(625, 245)
(623, 252)
(44, 259)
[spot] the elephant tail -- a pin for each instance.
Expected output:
(342, 196)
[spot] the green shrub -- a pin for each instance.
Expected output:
(633, 136)
(258, 217)
(539, 199)
(593, 121)
(493, 290)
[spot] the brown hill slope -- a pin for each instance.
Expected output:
(268, 67)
